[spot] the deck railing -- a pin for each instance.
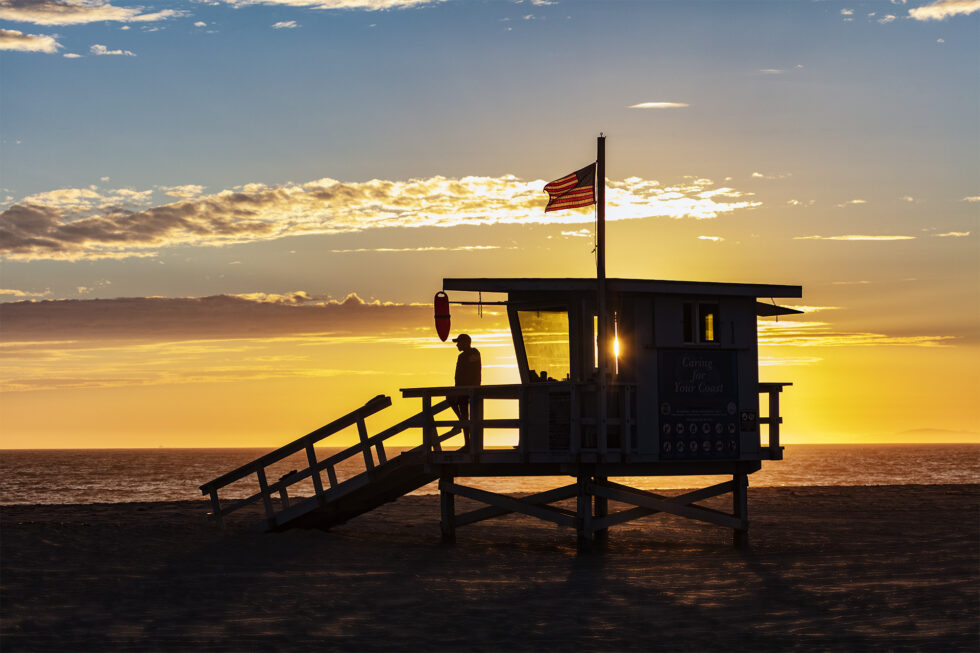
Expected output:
(370, 447)
(617, 408)
(773, 419)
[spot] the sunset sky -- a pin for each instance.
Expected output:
(223, 221)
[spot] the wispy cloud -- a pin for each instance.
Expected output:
(100, 50)
(854, 237)
(777, 175)
(714, 239)
(888, 18)
(285, 24)
(365, 5)
(972, 198)
(89, 223)
(434, 248)
(786, 333)
(942, 9)
(11, 39)
(77, 12)
(856, 202)
(659, 105)
(22, 294)
(953, 234)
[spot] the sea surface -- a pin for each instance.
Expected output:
(130, 475)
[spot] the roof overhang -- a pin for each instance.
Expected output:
(648, 286)
(763, 309)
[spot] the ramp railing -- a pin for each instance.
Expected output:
(368, 447)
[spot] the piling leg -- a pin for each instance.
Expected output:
(447, 502)
(601, 510)
(585, 533)
(740, 507)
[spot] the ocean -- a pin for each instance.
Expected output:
(133, 475)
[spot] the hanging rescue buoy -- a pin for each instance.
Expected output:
(442, 315)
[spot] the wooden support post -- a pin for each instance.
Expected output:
(270, 514)
(382, 458)
(429, 433)
(601, 511)
(447, 502)
(315, 474)
(284, 497)
(332, 476)
(584, 516)
(575, 420)
(740, 507)
(476, 425)
(774, 419)
(216, 508)
(362, 434)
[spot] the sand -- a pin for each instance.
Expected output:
(857, 568)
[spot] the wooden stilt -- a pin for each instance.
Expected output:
(447, 502)
(601, 511)
(584, 517)
(740, 508)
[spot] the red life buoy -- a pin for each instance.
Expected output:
(442, 315)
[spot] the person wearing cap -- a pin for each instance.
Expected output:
(468, 371)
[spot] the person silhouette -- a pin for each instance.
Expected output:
(468, 372)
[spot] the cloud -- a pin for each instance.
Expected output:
(884, 20)
(366, 5)
(388, 250)
(75, 224)
(972, 198)
(11, 39)
(249, 315)
(71, 55)
(101, 50)
(846, 12)
(285, 24)
(772, 71)
(10, 292)
(77, 12)
(943, 9)
(953, 234)
(716, 239)
(184, 192)
(852, 203)
(853, 237)
(786, 333)
(778, 175)
(659, 105)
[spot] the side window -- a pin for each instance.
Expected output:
(701, 323)
(708, 330)
(689, 322)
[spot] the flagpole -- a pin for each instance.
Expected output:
(602, 335)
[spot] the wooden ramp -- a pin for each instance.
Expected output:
(335, 501)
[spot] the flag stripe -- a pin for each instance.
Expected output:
(572, 191)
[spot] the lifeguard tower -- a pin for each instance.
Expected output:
(679, 396)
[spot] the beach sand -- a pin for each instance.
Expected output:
(843, 568)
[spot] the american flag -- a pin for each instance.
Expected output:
(572, 191)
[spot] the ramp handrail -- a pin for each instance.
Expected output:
(258, 466)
